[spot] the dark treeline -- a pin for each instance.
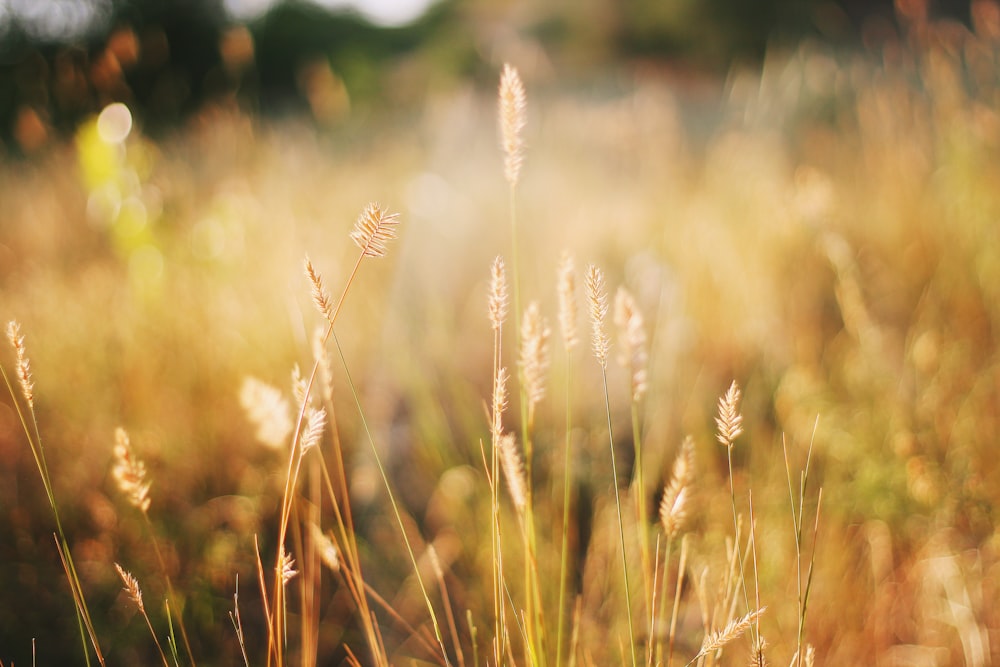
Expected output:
(167, 58)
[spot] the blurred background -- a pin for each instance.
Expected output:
(61, 60)
(802, 195)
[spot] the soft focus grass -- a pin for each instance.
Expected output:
(826, 234)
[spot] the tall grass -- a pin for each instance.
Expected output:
(840, 267)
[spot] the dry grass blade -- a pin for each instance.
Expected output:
(729, 421)
(597, 297)
(513, 118)
(130, 472)
(23, 365)
(677, 495)
(374, 228)
(498, 293)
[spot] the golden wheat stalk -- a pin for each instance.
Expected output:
(677, 495)
(729, 421)
(632, 333)
(534, 354)
(513, 118)
(130, 472)
(374, 228)
(597, 297)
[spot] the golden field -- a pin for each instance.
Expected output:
(822, 230)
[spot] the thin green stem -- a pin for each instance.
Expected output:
(621, 525)
(642, 513)
(567, 475)
(736, 528)
(392, 502)
(33, 434)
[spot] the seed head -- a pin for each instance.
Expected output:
(513, 117)
(374, 228)
(729, 421)
(597, 296)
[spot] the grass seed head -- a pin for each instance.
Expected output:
(319, 294)
(677, 496)
(534, 352)
(23, 365)
(131, 587)
(597, 297)
(513, 468)
(498, 293)
(567, 301)
(499, 402)
(374, 228)
(632, 333)
(729, 421)
(513, 118)
(267, 409)
(130, 473)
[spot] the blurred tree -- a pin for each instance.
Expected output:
(166, 58)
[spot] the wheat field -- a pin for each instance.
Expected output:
(642, 372)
